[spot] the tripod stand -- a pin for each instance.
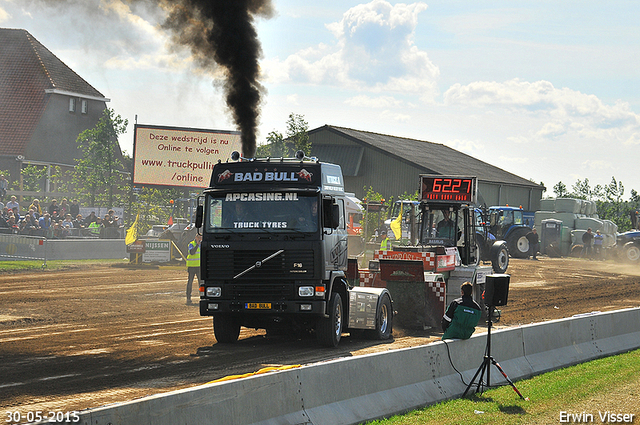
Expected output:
(485, 366)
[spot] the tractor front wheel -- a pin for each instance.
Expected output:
(499, 257)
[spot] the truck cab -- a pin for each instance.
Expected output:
(274, 248)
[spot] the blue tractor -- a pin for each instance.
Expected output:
(628, 243)
(511, 224)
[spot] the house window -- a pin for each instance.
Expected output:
(85, 106)
(72, 104)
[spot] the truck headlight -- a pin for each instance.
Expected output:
(213, 291)
(306, 291)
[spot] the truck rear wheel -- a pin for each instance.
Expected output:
(384, 320)
(226, 329)
(329, 330)
(519, 244)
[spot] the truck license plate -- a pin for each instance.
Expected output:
(258, 306)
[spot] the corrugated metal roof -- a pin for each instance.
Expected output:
(434, 158)
(349, 157)
(27, 69)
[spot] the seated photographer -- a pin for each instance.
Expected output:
(462, 315)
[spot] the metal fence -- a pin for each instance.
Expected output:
(18, 247)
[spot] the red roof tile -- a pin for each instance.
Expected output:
(27, 69)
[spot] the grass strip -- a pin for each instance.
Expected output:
(570, 389)
(32, 265)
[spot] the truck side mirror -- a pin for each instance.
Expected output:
(330, 214)
(335, 216)
(199, 215)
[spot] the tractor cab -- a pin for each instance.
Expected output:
(441, 225)
(447, 214)
(503, 219)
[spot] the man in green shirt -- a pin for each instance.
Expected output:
(462, 315)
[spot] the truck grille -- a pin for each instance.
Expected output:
(289, 264)
(260, 292)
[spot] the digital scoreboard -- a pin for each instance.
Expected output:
(452, 189)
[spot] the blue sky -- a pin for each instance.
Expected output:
(547, 90)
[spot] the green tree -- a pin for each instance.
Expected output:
(60, 179)
(297, 134)
(275, 146)
(32, 177)
(296, 139)
(614, 190)
(582, 189)
(560, 190)
(373, 219)
(98, 172)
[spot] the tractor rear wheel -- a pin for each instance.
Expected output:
(518, 243)
(631, 252)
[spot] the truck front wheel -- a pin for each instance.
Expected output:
(384, 319)
(329, 330)
(226, 329)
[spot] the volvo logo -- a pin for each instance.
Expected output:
(220, 246)
(258, 264)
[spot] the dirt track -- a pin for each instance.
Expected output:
(82, 338)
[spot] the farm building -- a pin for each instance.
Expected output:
(391, 166)
(45, 106)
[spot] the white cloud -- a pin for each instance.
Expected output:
(373, 52)
(560, 111)
(470, 147)
(4, 15)
(598, 164)
(518, 139)
(634, 139)
(155, 61)
(124, 13)
(380, 102)
(551, 129)
(395, 116)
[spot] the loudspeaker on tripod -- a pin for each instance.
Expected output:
(496, 289)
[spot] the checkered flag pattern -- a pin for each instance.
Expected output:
(428, 258)
(439, 289)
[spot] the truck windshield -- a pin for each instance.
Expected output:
(262, 211)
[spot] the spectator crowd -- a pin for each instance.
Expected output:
(57, 221)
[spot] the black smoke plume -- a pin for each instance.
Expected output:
(222, 32)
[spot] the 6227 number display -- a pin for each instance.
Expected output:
(448, 189)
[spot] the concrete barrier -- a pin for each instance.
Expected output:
(17, 247)
(361, 388)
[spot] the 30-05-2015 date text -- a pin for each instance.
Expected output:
(52, 417)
